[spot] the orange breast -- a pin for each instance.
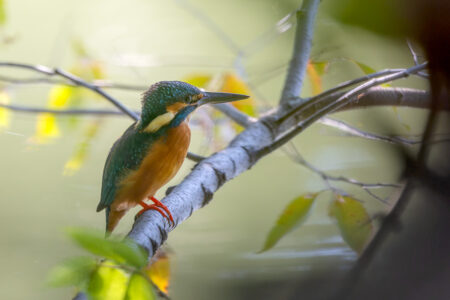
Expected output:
(159, 166)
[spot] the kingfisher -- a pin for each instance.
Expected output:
(151, 151)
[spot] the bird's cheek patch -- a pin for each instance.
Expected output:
(159, 122)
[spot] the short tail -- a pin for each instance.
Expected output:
(107, 233)
(112, 219)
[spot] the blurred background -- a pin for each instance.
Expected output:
(50, 169)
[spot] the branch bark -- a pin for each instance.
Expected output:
(302, 49)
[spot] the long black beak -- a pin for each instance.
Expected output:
(214, 98)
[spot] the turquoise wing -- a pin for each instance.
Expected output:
(126, 155)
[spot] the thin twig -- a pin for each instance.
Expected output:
(99, 91)
(302, 49)
(96, 112)
(353, 131)
(298, 158)
(235, 114)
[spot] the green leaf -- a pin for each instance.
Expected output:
(293, 215)
(365, 68)
(139, 288)
(72, 272)
(108, 282)
(353, 221)
(120, 251)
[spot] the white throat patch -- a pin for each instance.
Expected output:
(159, 122)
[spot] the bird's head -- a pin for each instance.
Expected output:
(170, 102)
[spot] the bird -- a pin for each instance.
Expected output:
(151, 151)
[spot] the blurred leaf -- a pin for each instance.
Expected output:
(314, 77)
(293, 215)
(353, 221)
(199, 80)
(321, 67)
(122, 252)
(79, 156)
(380, 16)
(5, 114)
(233, 84)
(46, 128)
(46, 125)
(367, 70)
(159, 273)
(139, 288)
(109, 282)
(2, 13)
(72, 272)
(59, 96)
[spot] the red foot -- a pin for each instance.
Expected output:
(159, 204)
(159, 207)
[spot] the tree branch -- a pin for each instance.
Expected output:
(235, 114)
(302, 49)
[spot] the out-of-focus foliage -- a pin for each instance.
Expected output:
(159, 272)
(139, 289)
(315, 71)
(122, 252)
(62, 97)
(109, 281)
(353, 221)
(79, 156)
(73, 272)
(121, 273)
(293, 216)
(380, 16)
(5, 114)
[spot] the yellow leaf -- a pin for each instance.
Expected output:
(293, 215)
(139, 288)
(79, 156)
(159, 273)
(108, 282)
(233, 84)
(314, 77)
(46, 129)
(353, 221)
(59, 96)
(198, 80)
(5, 114)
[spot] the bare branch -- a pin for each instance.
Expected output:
(46, 80)
(96, 112)
(353, 131)
(302, 49)
(234, 114)
(298, 158)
